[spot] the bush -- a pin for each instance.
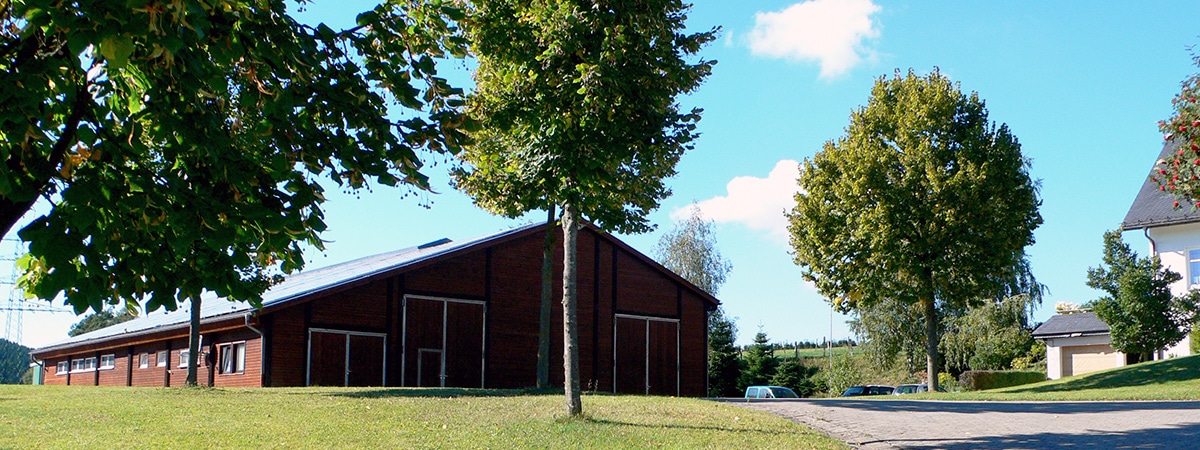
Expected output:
(798, 376)
(842, 375)
(1194, 342)
(979, 380)
(948, 382)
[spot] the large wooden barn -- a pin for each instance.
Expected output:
(447, 313)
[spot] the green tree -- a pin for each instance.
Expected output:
(97, 320)
(1142, 314)
(760, 363)
(14, 361)
(989, 336)
(180, 143)
(794, 374)
(923, 201)
(576, 102)
(690, 250)
(724, 360)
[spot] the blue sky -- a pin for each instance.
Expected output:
(1081, 84)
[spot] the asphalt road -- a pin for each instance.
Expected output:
(887, 424)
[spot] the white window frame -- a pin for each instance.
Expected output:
(62, 368)
(238, 353)
(183, 358)
(108, 362)
(160, 358)
(1187, 256)
(83, 365)
(144, 360)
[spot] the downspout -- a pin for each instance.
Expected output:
(1153, 245)
(262, 350)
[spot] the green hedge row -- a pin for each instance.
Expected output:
(978, 380)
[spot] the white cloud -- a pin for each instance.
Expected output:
(757, 203)
(829, 31)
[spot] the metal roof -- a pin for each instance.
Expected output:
(306, 283)
(1155, 208)
(215, 308)
(1075, 324)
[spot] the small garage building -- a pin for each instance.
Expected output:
(1077, 343)
(443, 314)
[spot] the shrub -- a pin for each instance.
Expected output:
(948, 382)
(801, 378)
(978, 380)
(842, 375)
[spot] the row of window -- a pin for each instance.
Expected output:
(232, 360)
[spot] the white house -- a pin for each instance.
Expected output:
(1077, 342)
(1174, 236)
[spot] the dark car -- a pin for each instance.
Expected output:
(856, 391)
(770, 392)
(914, 389)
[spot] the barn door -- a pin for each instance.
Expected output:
(645, 355)
(346, 358)
(443, 342)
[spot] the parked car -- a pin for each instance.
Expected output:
(770, 392)
(914, 389)
(857, 391)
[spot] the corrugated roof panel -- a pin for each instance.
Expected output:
(294, 286)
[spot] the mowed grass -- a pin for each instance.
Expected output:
(1171, 379)
(120, 417)
(810, 352)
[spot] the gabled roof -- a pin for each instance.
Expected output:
(1071, 325)
(310, 282)
(1155, 208)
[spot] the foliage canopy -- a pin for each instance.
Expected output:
(1142, 314)
(179, 143)
(924, 201)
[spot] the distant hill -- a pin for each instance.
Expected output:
(14, 361)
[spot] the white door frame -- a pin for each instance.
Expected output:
(647, 319)
(442, 350)
(346, 363)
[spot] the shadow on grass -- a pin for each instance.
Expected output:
(770, 432)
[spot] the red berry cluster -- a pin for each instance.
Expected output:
(1179, 175)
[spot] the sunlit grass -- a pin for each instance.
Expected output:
(1171, 379)
(84, 416)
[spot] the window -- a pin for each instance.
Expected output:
(144, 361)
(63, 366)
(233, 358)
(83, 365)
(161, 358)
(108, 361)
(1193, 267)
(183, 358)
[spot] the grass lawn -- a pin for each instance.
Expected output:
(120, 417)
(810, 352)
(1171, 379)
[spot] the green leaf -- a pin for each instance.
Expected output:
(116, 50)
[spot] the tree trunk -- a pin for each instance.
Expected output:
(193, 342)
(931, 343)
(543, 363)
(570, 327)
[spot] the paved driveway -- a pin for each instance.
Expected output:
(885, 424)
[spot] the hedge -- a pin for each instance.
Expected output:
(978, 380)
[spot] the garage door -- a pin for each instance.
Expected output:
(1087, 358)
(646, 355)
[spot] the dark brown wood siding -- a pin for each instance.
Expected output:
(289, 343)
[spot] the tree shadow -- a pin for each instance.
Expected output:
(762, 431)
(976, 407)
(1182, 436)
